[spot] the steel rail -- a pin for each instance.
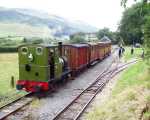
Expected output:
(105, 73)
(4, 115)
(14, 106)
(112, 74)
(101, 75)
(9, 103)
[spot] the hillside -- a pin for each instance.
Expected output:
(28, 22)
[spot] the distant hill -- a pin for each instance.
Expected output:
(28, 22)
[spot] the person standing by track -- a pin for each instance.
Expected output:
(132, 50)
(120, 52)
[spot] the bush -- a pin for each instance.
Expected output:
(8, 49)
(147, 39)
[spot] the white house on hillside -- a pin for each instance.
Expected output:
(91, 36)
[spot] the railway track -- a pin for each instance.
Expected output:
(14, 106)
(76, 108)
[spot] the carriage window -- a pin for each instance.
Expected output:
(39, 50)
(24, 50)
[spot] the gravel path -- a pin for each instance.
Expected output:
(46, 108)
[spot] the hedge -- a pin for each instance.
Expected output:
(8, 49)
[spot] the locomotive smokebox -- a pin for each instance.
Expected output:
(60, 48)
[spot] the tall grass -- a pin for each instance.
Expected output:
(132, 76)
(131, 96)
(127, 54)
(8, 68)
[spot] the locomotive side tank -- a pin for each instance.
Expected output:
(40, 66)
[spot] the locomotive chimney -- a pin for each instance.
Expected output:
(60, 48)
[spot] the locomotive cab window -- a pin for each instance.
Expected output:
(24, 50)
(39, 50)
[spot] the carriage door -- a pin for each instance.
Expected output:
(52, 64)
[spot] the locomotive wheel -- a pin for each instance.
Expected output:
(53, 87)
(70, 77)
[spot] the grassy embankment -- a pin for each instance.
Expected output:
(127, 55)
(8, 68)
(130, 98)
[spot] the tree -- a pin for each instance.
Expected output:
(34, 40)
(24, 40)
(123, 2)
(114, 36)
(145, 13)
(147, 38)
(104, 32)
(37, 41)
(117, 39)
(132, 23)
(77, 38)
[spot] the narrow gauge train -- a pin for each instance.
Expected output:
(42, 66)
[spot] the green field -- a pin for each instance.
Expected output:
(8, 68)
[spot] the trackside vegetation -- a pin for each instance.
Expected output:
(130, 99)
(8, 68)
(137, 53)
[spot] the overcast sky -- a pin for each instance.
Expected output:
(99, 13)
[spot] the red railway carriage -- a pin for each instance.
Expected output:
(93, 52)
(108, 48)
(77, 55)
(101, 51)
(104, 48)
